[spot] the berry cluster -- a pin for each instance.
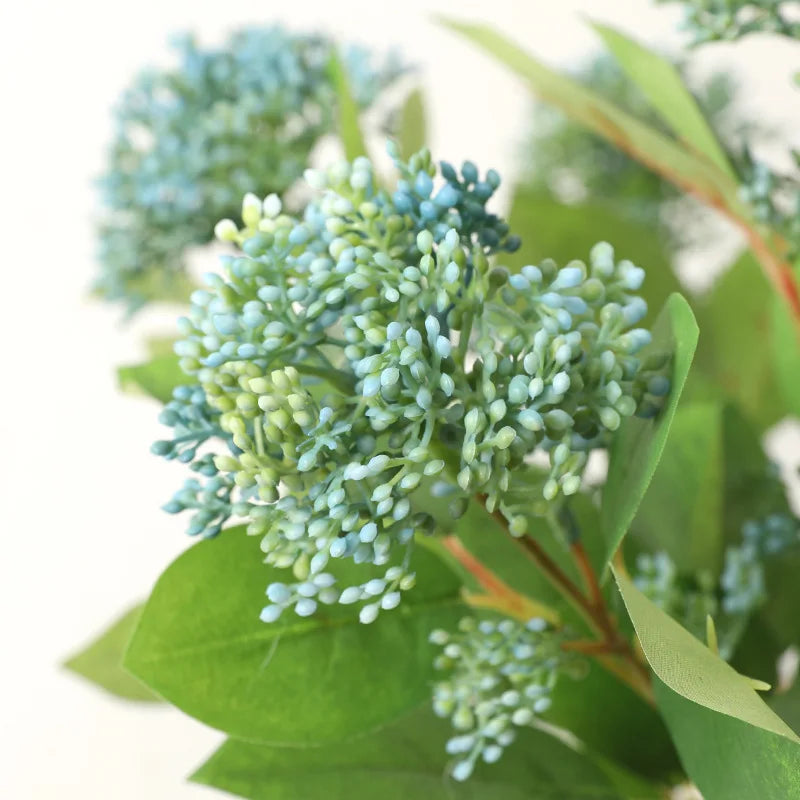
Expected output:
(348, 356)
(190, 141)
(733, 596)
(726, 20)
(500, 675)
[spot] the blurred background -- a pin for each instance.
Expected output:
(82, 531)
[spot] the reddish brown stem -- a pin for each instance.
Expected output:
(612, 646)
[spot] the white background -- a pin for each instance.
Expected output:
(82, 533)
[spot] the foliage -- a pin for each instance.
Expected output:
(724, 20)
(387, 402)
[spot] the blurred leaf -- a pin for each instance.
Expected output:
(681, 511)
(412, 134)
(666, 156)
(156, 378)
(101, 661)
(405, 759)
(550, 229)
(639, 443)
(786, 354)
(736, 339)
(348, 112)
(200, 644)
(663, 86)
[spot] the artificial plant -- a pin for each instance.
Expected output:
(405, 580)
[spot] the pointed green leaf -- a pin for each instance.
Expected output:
(639, 443)
(200, 644)
(156, 378)
(412, 134)
(348, 112)
(101, 661)
(727, 758)
(671, 159)
(691, 670)
(732, 745)
(406, 759)
(663, 86)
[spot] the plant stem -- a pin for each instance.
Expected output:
(612, 650)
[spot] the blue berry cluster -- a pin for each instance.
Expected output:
(774, 198)
(726, 20)
(346, 356)
(499, 675)
(730, 598)
(190, 141)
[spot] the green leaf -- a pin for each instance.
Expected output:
(347, 111)
(732, 356)
(156, 378)
(101, 661)
(406, 759)
(733, 746)
(727, 758)
(614, 722)
(662, 154)
(639, 443)
(564, 232)
(412, 134)
(785, 355)
(690, 669)
(682, 510)
(200, 644)
(663, 86)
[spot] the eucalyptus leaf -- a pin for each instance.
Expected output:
(662, 85)
(348, 112)
(639, 443)
(733, 746)
(671, 159)
(101, 661)
(405, 759)
(200, 644)
(691, 670)
(156, 378)
(727, 758)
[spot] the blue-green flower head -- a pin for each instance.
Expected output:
(349, 355)
(192, 140)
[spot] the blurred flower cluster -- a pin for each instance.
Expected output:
(191, 140)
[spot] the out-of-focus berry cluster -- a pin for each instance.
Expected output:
(349, 354)
(191, 140)
(498, 677)
(726, 20)
(730, 598)
(774, 198)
